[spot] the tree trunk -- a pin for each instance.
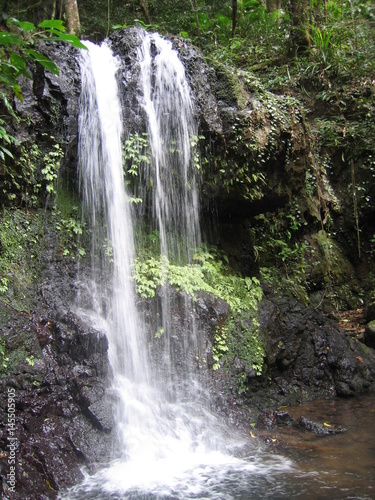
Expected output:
(234, 16)
(194, 5)
(144, 7)
(298, 11)
(72, 17)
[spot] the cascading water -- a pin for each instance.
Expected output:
(104, 196)
(170, 446)
(166, 104)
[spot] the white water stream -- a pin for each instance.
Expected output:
(172, 447)
(166, 101)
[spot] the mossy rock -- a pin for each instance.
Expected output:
(330, 270)
(370, 334)
(229, 87)
(19, 346)
(328, 260)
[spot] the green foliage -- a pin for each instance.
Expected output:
(66, 220)
(136, 154)
(209, 273)
(220, 346)
(21, 243)
(322, 41)
(34, 175)
(4, 358)
(280, 253)
(18, 44)
(274, 127)
(159, 332)
(245, 345)
(6, 140)
(17, 48)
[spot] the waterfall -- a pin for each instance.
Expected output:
(167, 104)
(105, 201)
(170, 445)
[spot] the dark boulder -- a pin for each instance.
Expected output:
(369, 337)
(317, 428)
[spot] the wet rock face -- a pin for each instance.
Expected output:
(310, 353)
(49, 110)
(269, 419)
(56, 369)
(126, 43)
(188, 343)
(307, 357)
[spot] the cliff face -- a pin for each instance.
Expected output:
(267, 200)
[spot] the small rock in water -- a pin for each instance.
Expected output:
(317, 428)
(283, 418)
(266, 420)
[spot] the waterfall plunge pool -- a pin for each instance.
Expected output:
(305, 465)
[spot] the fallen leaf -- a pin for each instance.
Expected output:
(360, 359)
(251, 434)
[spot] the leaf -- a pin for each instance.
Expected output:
(53, 24)
(7, 38)
(18, 61)
(25, 25)
(19, 64)
(6, 151)
(44, 61)
(326, 425)
(72, 39)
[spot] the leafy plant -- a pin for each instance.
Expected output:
(209, 273)
(66, 219)
(321, 39)
(18, 46)
(21, 243)
(136, 153)
(34, 175)
(280, 253)
(4, 359)
(219, 346)
(245, 345)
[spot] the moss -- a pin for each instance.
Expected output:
(331, 270)
(245, 347)
(21, 240)
(19, 346)
(364, 348)
(229, 87)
